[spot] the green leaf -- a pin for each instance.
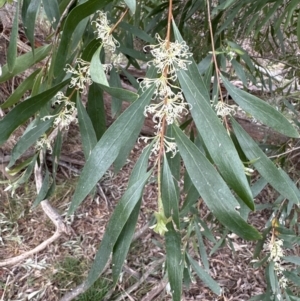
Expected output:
(216, 139)
(219, 243)
(115, 225)
(292, 276)
(28, 139)
(25, 61)
(21, 89)
(292, 259)
(270, 274)
(12, 47)
(116, 103)
(56, 153)
(122, 245)
(30, 23)
(212, 188)
(26, 175)
(96, 109)
(2, 3)
(96, 69)
(263, 164)
(19, 114)
(193, 70)
(119, 93)
(87, 133)
(43, 192)
(239, 71)
(75, 16)
(175, 263)
(169, 195)
(52, 11)
(107, 149)
(131, 5)
(134, 53)
(122, 156)
(55, 159)
(204, 276)
(261, 110)
(137, 32)
(202, 248)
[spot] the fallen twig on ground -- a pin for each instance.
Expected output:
(55, 217)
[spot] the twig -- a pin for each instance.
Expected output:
(143, 278)
(155, 291)
(287, 152)
(55, 217)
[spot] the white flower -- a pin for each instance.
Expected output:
(66, 115)
(163, 88)
(42, 142)
(172, 109)
(103, 32)
(223, 109)
(276, 251)
(81, 75)
(169, 145)
(117, 59)
(173, 55)
(276, 254)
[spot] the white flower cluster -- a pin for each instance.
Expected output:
(103, 32)
(42, 142)
(223, 109)
(169, 145)
(168, 58)
(172, 55)
(276, 254)
(66, 115)
(81, 75)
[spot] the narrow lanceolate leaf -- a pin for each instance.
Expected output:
(175, 262)
(24, 110)
(261, 110)
(122, 94)
(95, 109)
(192, 69)
(19, 92)
(263, 164)
(96, 70)
(169, 195)
(43, 191)
(202, 248)
(122, 245)
(131, 5)
(107, 149)
(28, 139)
(216, 139)
(116, 103)
(87, 133)
(115, 226)
(25, 61)
(12, 47)
(30, 18)
(212, 188)
(204, 276)
(75, 16)
(122, 156)
(52, 11)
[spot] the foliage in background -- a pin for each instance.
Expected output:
(85, 44)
